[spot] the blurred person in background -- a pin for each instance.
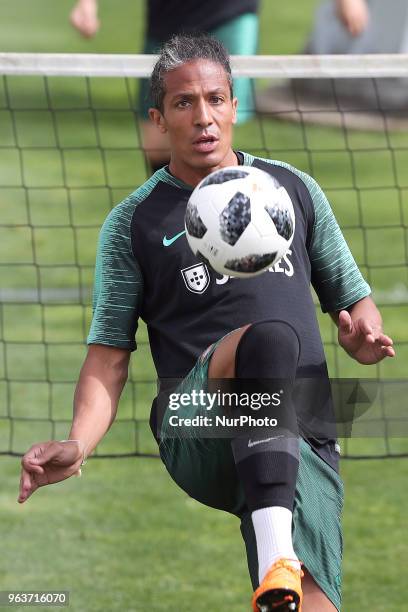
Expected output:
(350, 27)
(233, 22)
(354, 15)
(362, 26)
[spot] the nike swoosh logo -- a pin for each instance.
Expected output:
(251, 444)
(169, 241)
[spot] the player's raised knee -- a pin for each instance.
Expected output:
(268, 349)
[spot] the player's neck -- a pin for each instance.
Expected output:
(192, 176)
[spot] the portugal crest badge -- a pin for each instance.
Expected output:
(196, 278)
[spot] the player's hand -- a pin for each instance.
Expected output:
(354, 15)
(84, 17)
(47, 463)
(362, 341)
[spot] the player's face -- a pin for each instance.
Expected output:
(198, 116)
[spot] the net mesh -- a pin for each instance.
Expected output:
(70, 149)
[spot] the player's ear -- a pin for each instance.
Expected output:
(157, 118)
(234, 110)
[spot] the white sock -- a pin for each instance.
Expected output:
(273, 532)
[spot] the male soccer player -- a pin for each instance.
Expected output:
(281, 487)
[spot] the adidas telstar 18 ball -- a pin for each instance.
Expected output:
(241, 220)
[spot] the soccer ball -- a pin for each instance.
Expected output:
(240, 220)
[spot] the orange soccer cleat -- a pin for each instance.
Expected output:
(280, 590)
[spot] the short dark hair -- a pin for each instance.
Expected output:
(180, 50)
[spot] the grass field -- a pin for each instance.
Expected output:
(124, 537)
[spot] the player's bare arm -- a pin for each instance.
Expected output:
(354, 14)
(361, 333)
(100, 385)
(84, 18)
(103, 376)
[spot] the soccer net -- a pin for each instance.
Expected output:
(70, 149)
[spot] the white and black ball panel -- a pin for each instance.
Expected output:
(223, 176)
(235, 218)
(193, 222)
(282, 221)
(282, 214)
(213, 250)
(260, 217)
(251, 264)
(238, 207)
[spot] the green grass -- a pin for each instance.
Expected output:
(125, 537)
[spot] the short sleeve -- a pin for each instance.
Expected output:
(336, 277)
(118, 285)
